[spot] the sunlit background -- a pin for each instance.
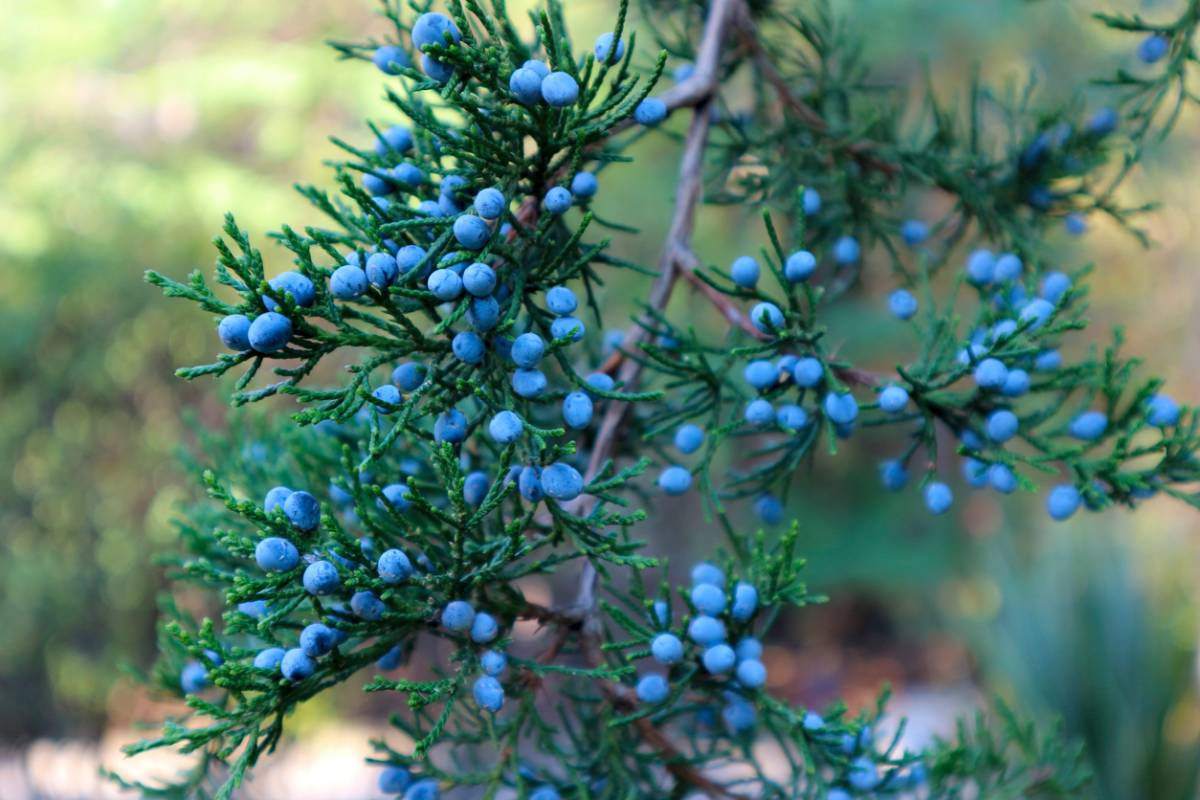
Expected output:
(131, 126)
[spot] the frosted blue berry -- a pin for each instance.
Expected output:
(302, 510)
(738, 715)
(348, 282)
(675, 480)
(981, 267)
(902, 304)
(1047, 361)
(1089, 425)
(808, 372)
(863, 775)
(488, 693)
(761, 374)
(650, 112)
(1162, 411)
(938, 497)
(562, 481)
(577, 410)
(479, 279)
(767, 317)
(1002, 479)
(682, 72)
(484, 313)
(842, 408)
(434, 28)
(506, 427)
(234, 332)
(296, 665)
(427, 789)
(1153, 48)
(269, 659)
(1001, 426)
(1103, 122)
(387, 394)
(561, 301)
(913, 232)
(745, 601)
(451, 426)
(274, 554)
(744, 272)
(1016, 384)
(893, 475)
(395, 495)
(468, 347)
(799, 266)
(527, 350)
(484, 628)
(557, 200)
(529, 383)
(600, 381)
(759, 413)
(396, 138)
(545, 793)
(407, 174)
(269, 332)
(708, 599)
(275, 498)
(471, 232)
(749, 649)
(846, 250)
(193, 678)
(689, 438)
(366, 606)
(560, 90)
(254, 608)
(490, 203)
(990, 373)
(751, 674)
(814, 722)
(475, 488)
(567, 328)
(321, 577)
(1008, 267)
(394, 567)
(893, 399)
(652, 689)
(1036, 312)
(769, 509)
(539, 67)
(606, 52)
(458, 615)
(704, 572)
(377, 184)
(394, 780)
(1054, 286)
(811, 201)
(529, 484)
(526, 86)
(706, 631)
(667, 649)
(1075, 224)
(719, 659)
(382, 270)
(493, 662)
(584, 185)
(316, 639)
(300, 287)
(1062, 501)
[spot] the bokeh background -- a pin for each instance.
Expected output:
(131, 126)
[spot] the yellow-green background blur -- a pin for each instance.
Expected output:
(130, 126)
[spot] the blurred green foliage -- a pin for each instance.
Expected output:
(140, 123)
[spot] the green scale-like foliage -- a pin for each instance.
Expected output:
(572, 718)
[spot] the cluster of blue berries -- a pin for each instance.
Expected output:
(738, 667)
